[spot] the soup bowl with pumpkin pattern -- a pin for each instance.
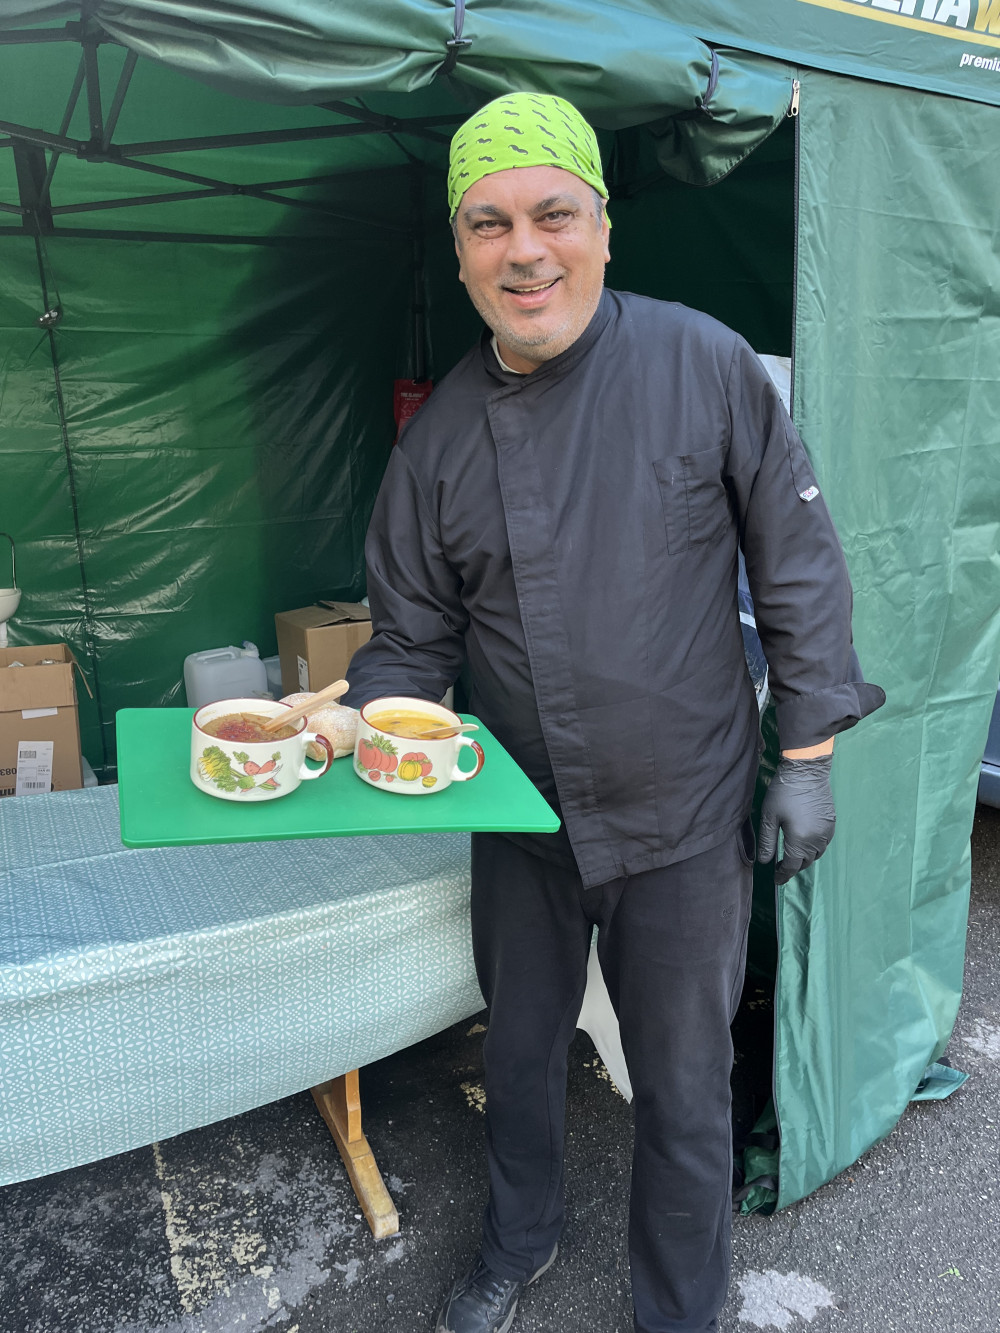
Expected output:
(393, 752)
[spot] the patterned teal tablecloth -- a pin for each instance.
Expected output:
(144, 993)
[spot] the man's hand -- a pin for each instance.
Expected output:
(800, 803)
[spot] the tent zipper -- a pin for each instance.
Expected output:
(793, 112)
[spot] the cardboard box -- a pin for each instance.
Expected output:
(316, 643)
(39, 722)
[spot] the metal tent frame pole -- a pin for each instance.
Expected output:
(28, 142)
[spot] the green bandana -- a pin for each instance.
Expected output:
(522, 130)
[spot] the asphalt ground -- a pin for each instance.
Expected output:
(251, 1224)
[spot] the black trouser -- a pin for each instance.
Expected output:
(672, 946)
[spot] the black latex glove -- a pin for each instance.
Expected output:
(800, 803)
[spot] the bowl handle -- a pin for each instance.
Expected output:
(458, 775)
(307, 773)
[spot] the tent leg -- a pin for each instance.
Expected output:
(339, 1102)
(419, 277)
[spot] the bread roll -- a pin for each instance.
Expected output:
(338, 724)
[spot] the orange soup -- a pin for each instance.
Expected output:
(409, 724)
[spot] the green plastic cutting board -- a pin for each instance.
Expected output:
(161, 807)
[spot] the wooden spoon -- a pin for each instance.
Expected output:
(446, 730)
(324, 696)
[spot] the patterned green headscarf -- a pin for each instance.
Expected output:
(522, 130)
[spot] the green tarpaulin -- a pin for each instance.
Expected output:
(946, 46)
(897, 392)
(240, 237)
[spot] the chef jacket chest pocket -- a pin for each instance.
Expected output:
(694, 498)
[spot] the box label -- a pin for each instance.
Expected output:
(303, 672)
(28, 713)
(34, 767)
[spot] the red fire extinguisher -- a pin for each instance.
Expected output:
(408, 396)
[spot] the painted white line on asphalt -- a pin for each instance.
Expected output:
(775, 1300)
(985, 1039)
(217, 1257)
(201, 1252)
(475, 1095)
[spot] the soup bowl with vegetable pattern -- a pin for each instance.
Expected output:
(232, 758)
(392, 753)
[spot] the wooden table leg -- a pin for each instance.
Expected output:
(339, 1102)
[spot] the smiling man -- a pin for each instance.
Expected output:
(564, 515)
(530, 260)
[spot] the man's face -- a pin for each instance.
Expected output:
(531, 253)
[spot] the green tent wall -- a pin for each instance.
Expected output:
(897, 391)
(196, 440)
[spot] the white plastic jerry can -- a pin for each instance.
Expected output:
(224, 673)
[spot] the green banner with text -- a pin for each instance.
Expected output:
(943, 46)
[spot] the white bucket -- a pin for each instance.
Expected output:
(224, 673)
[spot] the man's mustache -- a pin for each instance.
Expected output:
(526, 277)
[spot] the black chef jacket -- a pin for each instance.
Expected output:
(573, 534)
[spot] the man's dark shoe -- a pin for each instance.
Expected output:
(482, 1302)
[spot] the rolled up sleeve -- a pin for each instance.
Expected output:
(795, 567)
